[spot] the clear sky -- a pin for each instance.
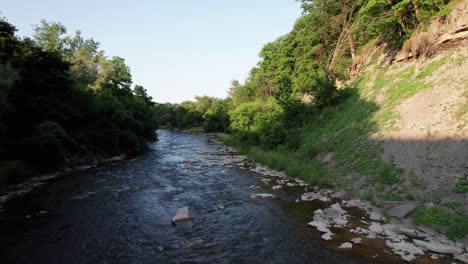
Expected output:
(175, 49)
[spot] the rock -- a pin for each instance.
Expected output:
(434, 256)
(340, 222)
(337, 207)
(182, 215)
(320, 223)
(339, 195)
(290, 184)
(198, 241)
(332, 213)
(300, 182)
(408, 258)
(329, 157)
(276, 187)
(372, 235)
(262, 195)
(438, 247)
(266, 181)
(463, 258)
(398, 228)
(402, 210)
(327, 236)
(376, 228)
(310, 196)
(359, 231)
(353, 203)
(406, 250)
(43, 212)
(323, 229)
(346, 245)
(357, 240)
(282, 182)
(376, 214)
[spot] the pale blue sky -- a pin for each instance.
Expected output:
(176, 49)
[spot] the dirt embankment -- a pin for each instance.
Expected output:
(429, 137)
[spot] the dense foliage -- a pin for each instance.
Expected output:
(63, 101)
(206, 112)
(295, 80)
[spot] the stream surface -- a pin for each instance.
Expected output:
(121, 213)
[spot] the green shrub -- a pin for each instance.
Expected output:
(461, 187)
(457, 223)
(50, 143)
(259, 122)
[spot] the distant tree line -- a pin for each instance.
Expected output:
(62, 101)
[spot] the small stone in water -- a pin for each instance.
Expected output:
(261, 195)
(346, 245)
(276, 187)
(182, 214)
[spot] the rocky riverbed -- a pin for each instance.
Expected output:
(334, 219)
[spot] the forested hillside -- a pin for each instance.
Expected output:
(63, 102)
(326, 103)
(298, 73)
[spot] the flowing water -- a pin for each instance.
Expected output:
(121, 213)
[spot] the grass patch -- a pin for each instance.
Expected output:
(457, 224)
(311, 171)
(453, 204)
(460, 59)
(462, 111)
(432, 67)
(344, 130)
(461, 187)
(390, 196)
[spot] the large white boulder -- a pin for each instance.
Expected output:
(438, 247)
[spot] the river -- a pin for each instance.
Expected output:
(121, 213)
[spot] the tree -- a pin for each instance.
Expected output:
(49, 36)
(232, 89)
(48, 115)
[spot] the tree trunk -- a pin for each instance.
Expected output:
(352, 47)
